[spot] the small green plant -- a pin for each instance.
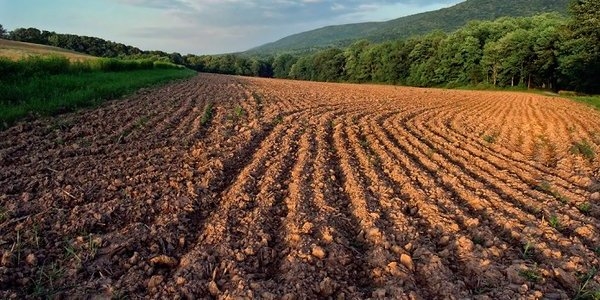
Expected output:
(585, 207)
(278, 119)
(528, 249)
(207, 114)
(92, 247)
(364, 143)
(430, 152)
(531, 274)
(17, 247)
(545, 187)
(491, 138)
(259, 103)
(375, 159)
(330, 124)
(584, 291)
(71, 251)
(584, 149)
(45, 283)
(35, 236)
(560, 197)
(554, 222)
(257, 99)
(239, 112)
(141, 122)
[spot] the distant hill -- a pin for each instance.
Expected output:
(447, 19)
(17, 50)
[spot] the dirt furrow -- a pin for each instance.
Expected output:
(233, 187)
(543, 238)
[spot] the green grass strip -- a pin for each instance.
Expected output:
(591, 100)
(53, 94)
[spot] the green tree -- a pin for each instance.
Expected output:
(424, 59)
(516, 50)
(261, 68)
(459, 60)
(303, 69)
(547, 38)
(3, 32)
(174, 57)
(580, 62)
(29, 35)
(491, 62)
(355, 69)
(328, 65)
(282, 65)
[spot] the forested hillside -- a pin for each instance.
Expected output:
(85, 44)
(545, 51)
(447, 20)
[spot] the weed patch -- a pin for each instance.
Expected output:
(207, 114)
(584, 149)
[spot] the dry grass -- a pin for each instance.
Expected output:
(17, 50)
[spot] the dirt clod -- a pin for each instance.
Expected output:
(155, 281)
(566, 279)
(213, 289)
(514, 274)
(407, 261)
(164, 261)
(326, 287)
(318, 252)
(7, 259)
(31, 259)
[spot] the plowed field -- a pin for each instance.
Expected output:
(232, 187)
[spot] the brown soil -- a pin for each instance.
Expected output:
(299, 190)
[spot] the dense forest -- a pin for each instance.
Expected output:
(88, 45)
(545, 51)
(446, 19)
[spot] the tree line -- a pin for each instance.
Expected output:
(545, 51)
(85, 44)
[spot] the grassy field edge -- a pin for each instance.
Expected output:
(55, 94)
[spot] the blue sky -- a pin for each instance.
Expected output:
(200, 26)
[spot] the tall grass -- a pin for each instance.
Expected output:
(52, 65)
(50, 85)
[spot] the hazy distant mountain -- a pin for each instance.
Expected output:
(447, 19)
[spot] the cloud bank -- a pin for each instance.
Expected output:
(217, 26)
(201, 26)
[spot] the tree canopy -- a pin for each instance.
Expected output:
(545, 51)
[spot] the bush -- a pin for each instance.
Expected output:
(165, 65)
(46, 65)
(33, 66)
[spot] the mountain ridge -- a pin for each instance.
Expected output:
(445, 19)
